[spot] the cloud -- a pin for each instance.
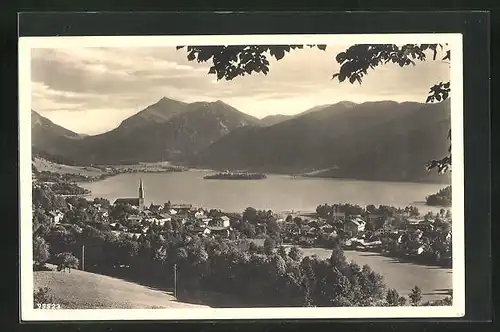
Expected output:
(118, 81)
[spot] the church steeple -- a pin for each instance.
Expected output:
(141, 195)
(141, 190)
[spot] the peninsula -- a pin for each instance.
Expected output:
(236, 176)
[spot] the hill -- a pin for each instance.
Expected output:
(371, 141)
(166, 130)
(49, 138)
(42, 164)
(85, 290)
(271, 120)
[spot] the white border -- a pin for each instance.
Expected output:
(454, 41)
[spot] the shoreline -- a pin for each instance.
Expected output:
(293, 176)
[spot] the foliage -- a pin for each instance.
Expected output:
(269, 245)
(40, 251)
(42, 296)
(229, 62)
(66, 260)
(415, 296)
(239, 60)
(295, 254)
(45, 198)
(441, 198)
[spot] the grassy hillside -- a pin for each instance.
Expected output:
(48, 166)
(85, 290)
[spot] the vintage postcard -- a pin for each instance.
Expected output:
(241, 177)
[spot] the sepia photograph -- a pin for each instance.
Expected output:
(241, 177)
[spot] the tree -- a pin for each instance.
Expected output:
(415, 296)
(40, 251)
(273, 229)
(250, 215)
(282, 251)
(66, 260)
(295, 254)
(337, 258)
(269, 245)
(392, 297)
(402, 301)
(229, 62)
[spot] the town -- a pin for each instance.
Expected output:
(129, 237)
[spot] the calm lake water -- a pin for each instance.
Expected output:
(277, 192)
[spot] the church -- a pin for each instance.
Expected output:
(137, 202)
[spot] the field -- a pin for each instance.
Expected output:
(435, 282)
(48, 166)
(84, 290)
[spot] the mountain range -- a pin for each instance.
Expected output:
(382, 140)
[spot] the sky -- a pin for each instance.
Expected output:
(90, 90)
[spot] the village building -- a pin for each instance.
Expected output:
(225, 221)
(200, 214)
(56, 216)
(217, 230)
(134, 218)
(354, 226)
(155, 208)
(135, 202)
(182, 207)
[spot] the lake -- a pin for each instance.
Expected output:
(277, 192)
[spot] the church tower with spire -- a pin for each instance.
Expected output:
(141, 195)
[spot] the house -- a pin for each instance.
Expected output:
(172, 212)
(103, 212)
(312, 231)
(354, 226)
(216, 230)
(414, 221)
(327, 228)
(216, 222)
(206, 221)
(57, 216)
(134, 218)
(116, 226)
(182, 207)
(133, 235)
(200, 214)
(155, 208)
(225, 221)
(162, 219)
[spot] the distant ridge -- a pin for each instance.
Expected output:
(165, 130)
(369, 141)
(379, 140)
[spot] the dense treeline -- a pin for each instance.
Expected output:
(441, 198)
